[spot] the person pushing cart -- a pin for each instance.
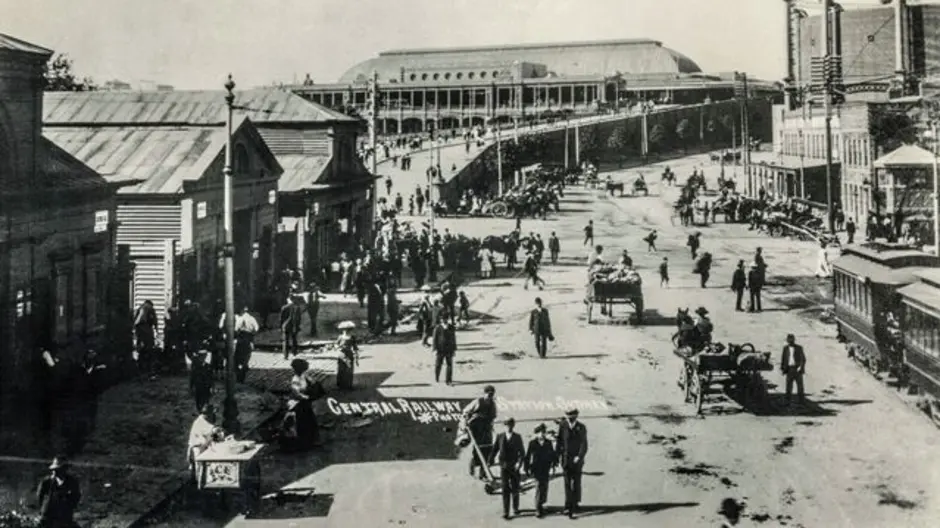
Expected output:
(479, 416)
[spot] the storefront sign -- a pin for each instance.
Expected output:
(201, 210)
(101, 221)
(421, 411)
(272, 197)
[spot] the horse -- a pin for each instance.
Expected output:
(687, 334)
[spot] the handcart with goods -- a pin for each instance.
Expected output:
(608, 286)
(737, 367)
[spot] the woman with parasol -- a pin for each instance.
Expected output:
(348, 346)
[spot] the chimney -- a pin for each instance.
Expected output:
(791, 43)
(900, 24)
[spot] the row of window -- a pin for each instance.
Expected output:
(447, 75)
(856, 149)
(923, 331)
(853, 295)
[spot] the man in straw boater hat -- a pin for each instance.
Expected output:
(571, 447)
(540, 458)
(58, 496)
(509, 453)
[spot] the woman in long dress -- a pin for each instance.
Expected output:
(348, 346)
(301, 430)
(486, 263)
(346, 268)
(823, 268)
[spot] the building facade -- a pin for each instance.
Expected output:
(57, 270)
(170, 211)
(458, 87)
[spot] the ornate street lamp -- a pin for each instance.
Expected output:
(230, 406)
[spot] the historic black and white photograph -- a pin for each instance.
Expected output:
(459, 263)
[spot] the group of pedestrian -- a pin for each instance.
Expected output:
(538, 459)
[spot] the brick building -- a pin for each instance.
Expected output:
(56, 233)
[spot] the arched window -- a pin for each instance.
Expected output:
(437, 76)
(424, 76)
(459, 75)
(413, 77)
(495, 73)
(470, 75)
(447, 76)
(483, 75)
(242, 165)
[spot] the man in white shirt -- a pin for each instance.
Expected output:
(596, 255)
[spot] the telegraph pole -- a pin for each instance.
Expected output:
(827, 108)
(499, 163)
(230, 406)
(431, 185)
(373, 121)
(936, 188)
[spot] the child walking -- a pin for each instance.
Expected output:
(664, 273)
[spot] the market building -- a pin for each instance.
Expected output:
(322, 205)
(57, 258)
(458, 87)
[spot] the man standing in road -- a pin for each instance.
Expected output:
(58, 496)
(589, 233)
(539, 460)
(755, 282)
(554, 247)
(664, 273)
(571, 447)
(444, 344)
(540, 326)
(850, 231)
(509, 453)
(479, 416)
(793, 365)
(738, 285)
(291, 317)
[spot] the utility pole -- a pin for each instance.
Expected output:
(936, 188)
(373, 121)
(567, 165)
(230, 406)
(827, 108)
(499, 163)
(430, 174)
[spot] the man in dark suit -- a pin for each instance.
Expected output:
(509, 453)
(292, 315)
(755, 283)
(554, 247)
(738, 285)
(540, 326)
(539, 460)
(793, 365)
(571, 447)
(444, 343)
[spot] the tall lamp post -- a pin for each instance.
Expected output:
(230, 410)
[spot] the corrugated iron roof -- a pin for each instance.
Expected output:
(206, 107)
(906, 156)
(158, 159)
(10, 43)
(300, 171)
(60, 169)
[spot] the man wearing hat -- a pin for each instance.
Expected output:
(704, 326)
(540, 326)
(201, 376)
(509, 453)
(755, 282)
(793, 365)
(58, 495)
(738, 285)
(479, 416)
(425, 315)
(292, 315)
(444, 344)
(540, 458)
(570, 448)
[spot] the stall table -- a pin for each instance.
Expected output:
(231, 467)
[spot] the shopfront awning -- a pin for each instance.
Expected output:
(789, 163)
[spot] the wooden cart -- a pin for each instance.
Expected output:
(608, 294)
(738, 367)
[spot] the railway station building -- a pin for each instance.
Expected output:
(458, 87)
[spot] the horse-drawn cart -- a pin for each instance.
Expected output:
(609, 293)
(737, 367)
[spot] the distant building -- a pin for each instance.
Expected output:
(164, 88)
(115, 86)
(455, 87)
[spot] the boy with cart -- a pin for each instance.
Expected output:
(479, 416)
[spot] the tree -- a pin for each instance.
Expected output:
(727, 123)
(59, 76)
(890, 129)
(682, 132)
(710, 128)
(617, 139)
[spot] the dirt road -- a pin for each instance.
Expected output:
(854, 456)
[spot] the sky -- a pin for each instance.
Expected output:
(193, 44)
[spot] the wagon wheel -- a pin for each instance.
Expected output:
(700, 383)
(590, 307)
(686, 382)
(499, 209)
